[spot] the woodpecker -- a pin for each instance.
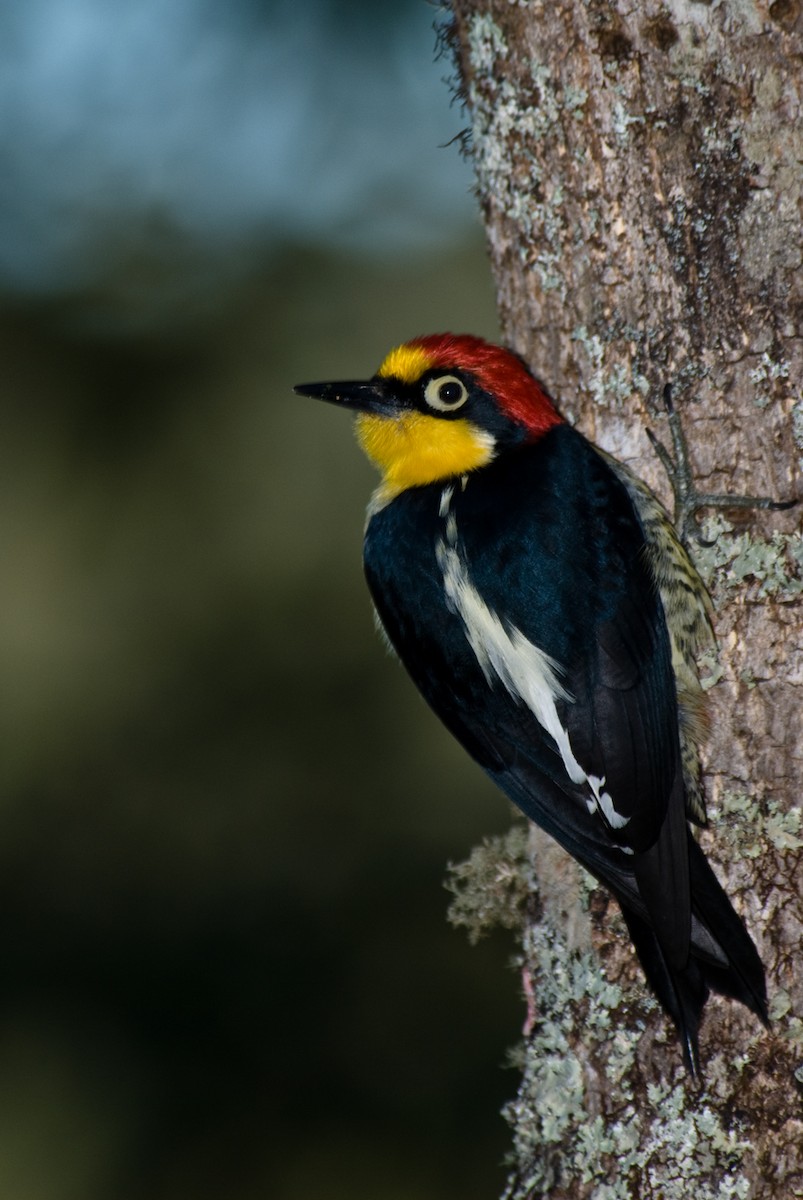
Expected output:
(542, 602)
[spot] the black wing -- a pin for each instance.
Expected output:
(543, 554)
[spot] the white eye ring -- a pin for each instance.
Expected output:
(445, 393)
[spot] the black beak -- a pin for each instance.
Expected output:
(360, 395)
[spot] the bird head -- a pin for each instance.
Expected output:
(441, 406)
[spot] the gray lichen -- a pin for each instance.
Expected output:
(609, 384)
(674, 1144)
(747, 829)
(584, 1027)
(503, 130)
(764, 374)
(494, 885)
(728, 560)
(790, 1025)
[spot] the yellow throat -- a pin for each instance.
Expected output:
(413, 448)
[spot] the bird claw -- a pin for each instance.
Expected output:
(688, 499)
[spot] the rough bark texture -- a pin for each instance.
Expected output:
(639, 169)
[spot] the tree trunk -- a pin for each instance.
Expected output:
(639, 171)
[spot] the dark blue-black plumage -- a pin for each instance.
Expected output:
(551, 542)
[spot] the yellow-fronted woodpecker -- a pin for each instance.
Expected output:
(538, 595)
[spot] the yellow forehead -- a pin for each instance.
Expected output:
(407, 363)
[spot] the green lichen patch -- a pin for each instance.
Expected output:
(579, 1122)
(494, 885)
(610, 384)
(710, 667)
(792, 1031)
(747, 829)
(728, 561)
(552, 1132)
(486, 44)
(672, 1147)
(688, 1152)
(509, 120)
(764, 374)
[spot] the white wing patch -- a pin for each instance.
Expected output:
(503, 651)
(602, 802)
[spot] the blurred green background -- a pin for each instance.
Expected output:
(225, 815)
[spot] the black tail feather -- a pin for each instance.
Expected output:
(722, 958)
(681, 993)
(743, 976)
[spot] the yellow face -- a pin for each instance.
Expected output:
(414, 448)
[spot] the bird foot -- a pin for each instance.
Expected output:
(688, 499)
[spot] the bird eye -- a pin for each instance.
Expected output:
(445, 393)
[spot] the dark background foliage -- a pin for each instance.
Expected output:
(225, 816)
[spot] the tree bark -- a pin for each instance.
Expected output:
(639, 172)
